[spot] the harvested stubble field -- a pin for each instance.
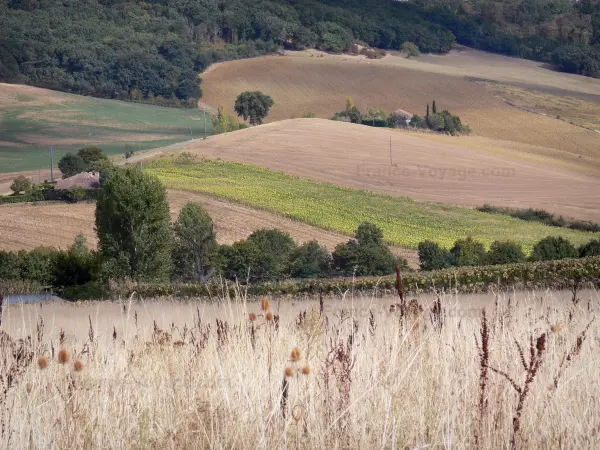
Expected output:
(164, 374)
(302, 82)
(34, 119)
(426, 167)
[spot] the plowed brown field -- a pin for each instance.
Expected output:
(426, 167)
(301, 83)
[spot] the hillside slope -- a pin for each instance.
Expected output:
(425, 169)
(305, 82)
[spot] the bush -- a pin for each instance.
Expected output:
(417, 121)
(433, 257)
(506, 252)
(263, 256)
(310, 260)
(592, 248)
(75, 266)
(468, 252)
(21, 184)
(410, 49)
(552, 248)
(367, 254)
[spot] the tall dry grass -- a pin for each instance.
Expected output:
(339, 373)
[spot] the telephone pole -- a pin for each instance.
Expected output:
(52, 164)
(391, 163)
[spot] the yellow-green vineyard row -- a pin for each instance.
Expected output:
(405, 222)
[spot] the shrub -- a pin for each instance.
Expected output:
(433, 257)
(21, 184)
(592, 248)
(396, 120)
(310, 260)
(505, 252)
(410, 49)
(75, 266)
(551, 248)
(367, 254)
(468, 252)
(417, 121)
(263, 256)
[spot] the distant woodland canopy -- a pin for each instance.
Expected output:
(154, 50)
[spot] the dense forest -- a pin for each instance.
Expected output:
(153, 51)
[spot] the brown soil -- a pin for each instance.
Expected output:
(427, 167)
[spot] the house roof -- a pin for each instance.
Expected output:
(85, 180)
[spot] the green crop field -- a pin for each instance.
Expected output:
(405, 222)
(32, 120)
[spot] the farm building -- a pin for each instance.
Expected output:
(86, 180)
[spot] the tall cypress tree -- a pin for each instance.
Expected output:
(427, 115)
(434, 108)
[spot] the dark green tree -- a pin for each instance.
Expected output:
(505, 252)
(468, 252)
(427, 113)
(253, 106)
(71, 164)
(552, 247)
(264, 256)
(310, 260)
(195, 252)
(133, 226)
(91, 155)
(367, 254)
(434, 108)
(592, 248)
(433, 257)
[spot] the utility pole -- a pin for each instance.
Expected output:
(204, 123)
(52, 164)
(391, 164)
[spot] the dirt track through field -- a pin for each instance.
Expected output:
(424, 168)
(26, 225)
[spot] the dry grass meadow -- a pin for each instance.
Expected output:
(302, 82)
(345, 373)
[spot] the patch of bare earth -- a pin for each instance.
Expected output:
(425, 167)
(26, 225)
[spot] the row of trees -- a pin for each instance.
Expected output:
(137, 241)
(469, 252)
(440, 121)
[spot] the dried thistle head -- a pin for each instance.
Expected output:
(252, 317)
(296, 354)
(306, 370)
(78, 366)
(63, 356)
(556, 328)
(269, 316)
(289, 372)
(265, 304)
(43, 362)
